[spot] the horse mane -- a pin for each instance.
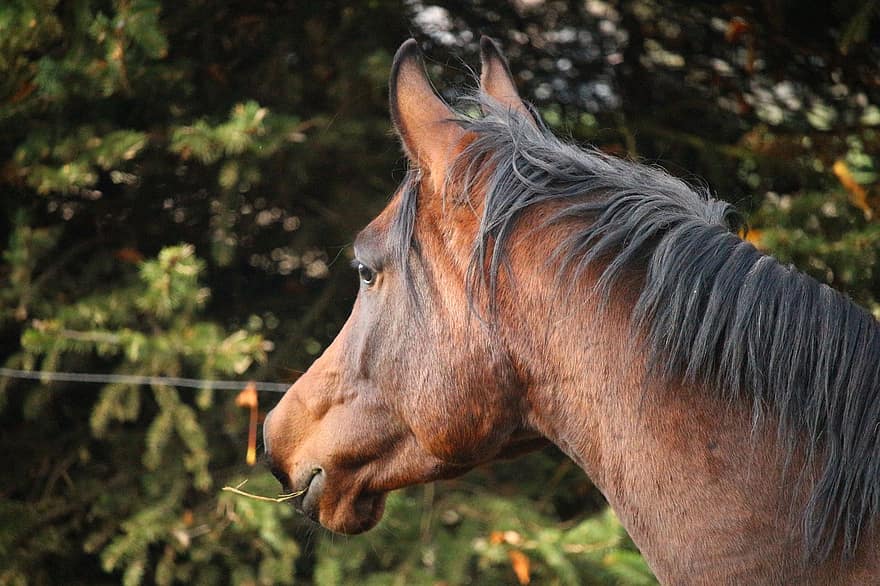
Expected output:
(715, 310)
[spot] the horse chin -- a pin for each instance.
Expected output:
(361, 514)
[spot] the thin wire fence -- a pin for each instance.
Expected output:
(133, 379)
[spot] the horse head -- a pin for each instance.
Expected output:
(415, 387)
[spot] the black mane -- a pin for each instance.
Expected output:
(716, 310)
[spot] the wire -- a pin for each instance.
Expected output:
(133, 379)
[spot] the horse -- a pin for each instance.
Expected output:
(518, 291)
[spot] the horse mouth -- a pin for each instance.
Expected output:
(354, 514)
(307, 502)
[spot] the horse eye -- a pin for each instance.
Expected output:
(366, 274)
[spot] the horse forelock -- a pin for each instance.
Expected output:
(715, 311)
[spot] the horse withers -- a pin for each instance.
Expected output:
(518, 290)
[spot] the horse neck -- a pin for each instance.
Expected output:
(698, 486)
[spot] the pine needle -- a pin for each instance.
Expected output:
(279, 499)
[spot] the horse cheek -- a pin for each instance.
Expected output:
(467, 418)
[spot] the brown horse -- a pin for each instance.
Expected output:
(518, 290)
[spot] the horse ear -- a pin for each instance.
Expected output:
(424, 122)
(496, 80)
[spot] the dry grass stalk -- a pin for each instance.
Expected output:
(279, 499)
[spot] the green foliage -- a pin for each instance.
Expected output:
(71, 164)
(247, 130)
(27, 246)
(149, 326)
(249, 135)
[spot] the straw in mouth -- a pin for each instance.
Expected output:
(279, 499)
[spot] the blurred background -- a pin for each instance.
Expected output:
(180, 184)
